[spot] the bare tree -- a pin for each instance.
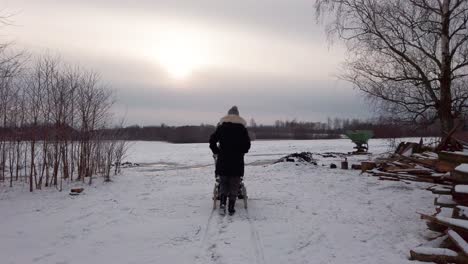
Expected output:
(411, 56)
(51, 120)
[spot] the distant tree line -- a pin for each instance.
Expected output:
(337, 127)
(180, 134)
(282, 129)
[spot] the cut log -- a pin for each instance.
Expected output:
(437, 255)
(461, 189)
(436, 227)
(445, 201)
(460, 212)
(412, 171)
(430, 155)
(459, 225)
(437, 165)
(437, 242)
(403, 165)
(368, 165)
(402, 176)
(456, 157)
(440, 190)
(383, 178)
(444, 211)
(460, 194)
(460, 174)
(441, 211)
(458, 241)
(394, 175)
(387, 167)
(444, 166)
(77, 190)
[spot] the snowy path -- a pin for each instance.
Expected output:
(222, 233)
(297, 214)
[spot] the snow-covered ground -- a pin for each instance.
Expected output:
(161, 212)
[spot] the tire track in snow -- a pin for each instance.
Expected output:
(213, 241)
(209, 245)
(204, 240)
(256, 240)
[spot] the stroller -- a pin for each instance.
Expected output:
(242, 194)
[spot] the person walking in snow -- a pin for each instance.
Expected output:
(229, 143)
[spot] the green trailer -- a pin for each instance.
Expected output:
(361, 139)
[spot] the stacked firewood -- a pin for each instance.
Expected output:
(450, 220)
(449, 171)
(411, 162)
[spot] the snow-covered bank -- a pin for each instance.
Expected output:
(297, 214)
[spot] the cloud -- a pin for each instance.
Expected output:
(267, 56)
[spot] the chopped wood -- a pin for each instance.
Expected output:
(437, 165)
(445, 201)
(436, 186)
(458, 241)
(444, 211)
(438, 242)
(441, 190)
(461, 189)
(77, 190)
(459, 175)
(459, 225)
(394, 175)
(388, 167)
(430, 155)
(437, 255)
(368, 165)
(444, 166)
(412, 171)
(456, 157)
(403, 177)
(436, 227)
(403, 165)
(460, 194)
(460, 212)
(383, 178)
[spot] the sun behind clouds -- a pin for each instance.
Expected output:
(180, 54)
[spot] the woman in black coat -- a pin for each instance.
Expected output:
(230, 142)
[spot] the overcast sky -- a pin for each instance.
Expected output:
(186, 62)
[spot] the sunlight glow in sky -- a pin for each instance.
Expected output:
(187, 62)
(181, 53)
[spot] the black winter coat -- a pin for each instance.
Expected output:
(234, 142)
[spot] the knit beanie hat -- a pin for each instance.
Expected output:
(233, 111)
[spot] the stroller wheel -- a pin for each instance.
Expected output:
(242, 192)
(215, 195)
(244, 195)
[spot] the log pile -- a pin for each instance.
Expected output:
(305, 157)
(450, 219)
(76, 191)
(415, 162)
(448, 170)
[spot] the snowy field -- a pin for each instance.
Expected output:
(161, 212)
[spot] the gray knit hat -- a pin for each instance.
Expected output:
(233, 111)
